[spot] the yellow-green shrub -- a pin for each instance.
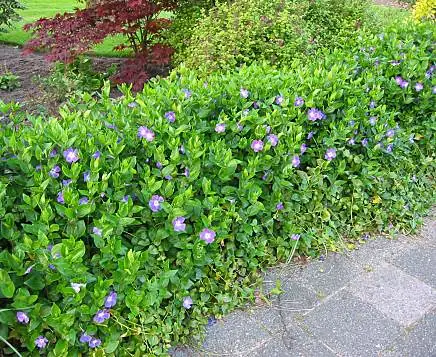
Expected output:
(425, 10)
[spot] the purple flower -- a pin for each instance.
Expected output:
(159, 165)
(22, 317)
(110, 300)
(244, 93)
(401, 82)
(170, 116)
(295, 237)
(38, 167)
(52, 267)
(97, 231)
(299, 101)
(404, 84)
(154, 203)
(315, 114)
(54, 172)
(257, 145)
(41, 342)
(256, 105)
(220, 128)
(145, 133)
(295, 161)
(125, 199)
(77, 286)
(96, 155)
(419, 87)
(273, 139)
(330, 154)
(187, 173)
(187, 92)
(279, 206)
(310, 135)
(132, 105)
(303, 148)
(29, 269)
(83, 201)
(168, 177)
(389, 148)
(66, 182)
(364, 142)
(60, 198)
(372, 104)
(101, 316)
(85, 338)
(53, 153)
(372, 120)
(265, 175)
(178, 224)
(433, 90)
(71, 155)
(187, 302)
(182, 149)
(351, 123)
(208, 235)
(239, 126)
(279, 100)
(390, 133)
(50, 247)
(395, 62)
(94, 342)
(351, 141)
(245, 112)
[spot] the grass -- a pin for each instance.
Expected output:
(35, 9)
(388, 15)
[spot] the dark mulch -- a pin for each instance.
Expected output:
(393, 3)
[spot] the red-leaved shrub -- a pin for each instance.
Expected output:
(66, 36)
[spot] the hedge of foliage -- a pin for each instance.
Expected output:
(127, 223)
(243, 31)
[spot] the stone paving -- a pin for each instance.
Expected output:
(378, 300)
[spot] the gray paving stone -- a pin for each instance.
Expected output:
(419, 341)
(419, 262)
(293, 343)
(398, 295)
(351, 327)
(326, 277)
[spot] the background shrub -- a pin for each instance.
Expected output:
(93, 204)
(425, 10)
(8, 13)
(277, 31)
(9, 81)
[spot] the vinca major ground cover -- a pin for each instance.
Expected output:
(128, 223)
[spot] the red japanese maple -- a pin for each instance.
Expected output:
(66, 36)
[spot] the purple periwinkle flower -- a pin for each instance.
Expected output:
(94, 342)
(315, 114)
(372, 104)
(22, 317)
(187, 173)
(77, 286)
(433, 90)
(330, 154)
(168, 177)
(351, 141)
(303, 148)
(145, 133)
(364, 142)
(125, 199)
(419, 87)
(85, 338)
(267, 128)
(182, 149)
(155, 202)
(244, 93)
(187, 302)
(38, 167)
(295, 237)
(83, 200)
(97, 231)
(208, 235)
(395, 62)
(220, 128)
(132, 104)
(41, 342)
(159, 165)
(390, 133)
(351, 123)
(66, 182)
(29, 269)
(295, 161)
(404, 84)
(54, 172)
(273, 139)
(60, 198)
(239, 126)
(53, 153)
(310, 135)
(170, 116)
(279, 100)
(179, 224)
(389, 148)
(110, 300)
(187, 93)
(265, 175)
(256, 105)
(71, 155)
(372, 120)
(101, 316)
(86, 176)
(257, 145)
(96, 155)
(398, 79)
(279, 206)
(299, 101)
(52, 267)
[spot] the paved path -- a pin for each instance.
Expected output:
(378, 300)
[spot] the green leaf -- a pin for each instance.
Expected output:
(7, 287)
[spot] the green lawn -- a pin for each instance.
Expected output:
(36, 9)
